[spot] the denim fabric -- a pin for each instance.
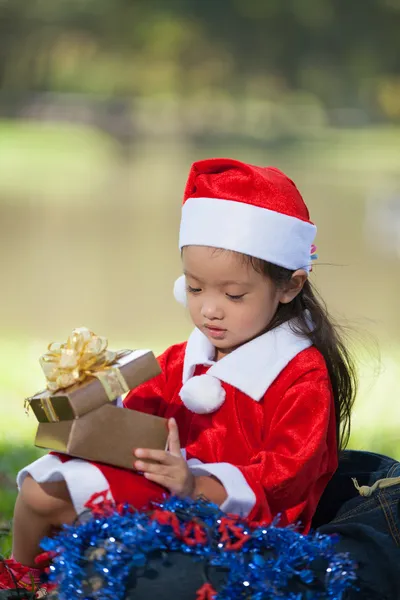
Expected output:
(369, 527)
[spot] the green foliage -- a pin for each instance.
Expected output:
(344, 54)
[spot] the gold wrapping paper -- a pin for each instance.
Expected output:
(82, 375)
(107, 435)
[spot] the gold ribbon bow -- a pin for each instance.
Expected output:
(84, 354)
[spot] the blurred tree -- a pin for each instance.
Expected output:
(345, 53)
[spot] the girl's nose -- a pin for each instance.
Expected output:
(211, 311)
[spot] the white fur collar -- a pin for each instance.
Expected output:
(251, 368)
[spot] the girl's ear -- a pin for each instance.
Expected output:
(294, 286)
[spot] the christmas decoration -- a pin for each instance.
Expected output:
(104, 554)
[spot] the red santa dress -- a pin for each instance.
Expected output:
(271, 443)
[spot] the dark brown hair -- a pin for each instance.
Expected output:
(305, 307)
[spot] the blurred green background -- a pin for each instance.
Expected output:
(104, 104)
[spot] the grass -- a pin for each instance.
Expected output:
(42, 162)
(376, 413)
(48, 162)
(16, 429)
(20, 377)
(351, 151)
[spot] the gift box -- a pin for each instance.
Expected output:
(75, 412)
(83, 375)
(107, 434)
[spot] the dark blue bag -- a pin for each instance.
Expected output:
(362, 505)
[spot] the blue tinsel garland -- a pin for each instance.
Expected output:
(96, 556)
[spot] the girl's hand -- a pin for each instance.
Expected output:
(170, 469)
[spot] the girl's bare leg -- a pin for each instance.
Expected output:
(40, 508)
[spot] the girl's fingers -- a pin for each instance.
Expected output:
(154, 468)
(173, 439)
(157, 455)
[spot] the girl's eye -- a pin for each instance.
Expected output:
(238, 297)
(193, 290)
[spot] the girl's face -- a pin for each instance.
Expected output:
(228, 300)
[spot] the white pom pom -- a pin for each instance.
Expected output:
(180, 290)
(202, 394)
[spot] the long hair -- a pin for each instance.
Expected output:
(324, 335)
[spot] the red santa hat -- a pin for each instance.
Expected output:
(256, 211)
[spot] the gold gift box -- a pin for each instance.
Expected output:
(107, 435)
(75, 412)
(136, 367)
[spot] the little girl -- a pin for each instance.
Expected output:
(260, 394)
